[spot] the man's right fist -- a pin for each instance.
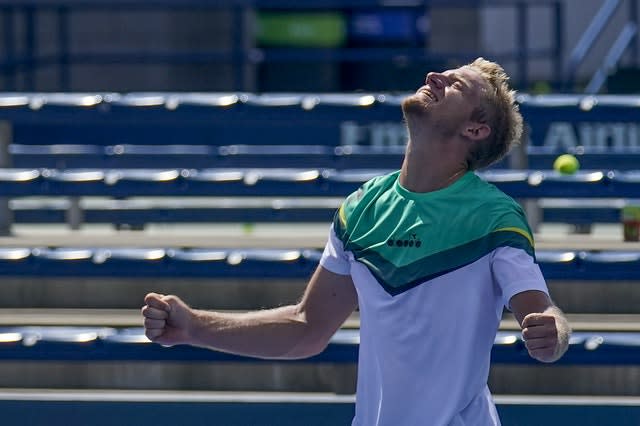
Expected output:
(167, 319)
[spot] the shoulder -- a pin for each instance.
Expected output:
(500, 205)
(367, 193)
(506, 219)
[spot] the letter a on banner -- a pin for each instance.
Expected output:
(561, 135)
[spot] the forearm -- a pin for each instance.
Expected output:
(295, 331)
(275, 333)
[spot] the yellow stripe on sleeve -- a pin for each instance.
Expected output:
(518, 231)
(343, 218)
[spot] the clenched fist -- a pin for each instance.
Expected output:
(167, 319)
(541, 337)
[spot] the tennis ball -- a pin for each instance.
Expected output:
(566, 164)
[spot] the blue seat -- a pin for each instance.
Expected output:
(92, 262)
(604, 348)
(273, 263)
(260, 156)
(247, 263)
(581, 211)
(19, 182)
(610, 265)
(344, 182)
(46, 261)
(101, 182)
(255, 182)
(558, 264)
(585, 348)
(55, 150)
(626, 183)
(15, 261)
(52, 343)
(582, 184)
(129, 261)
(159, 156)
(368, 157)
(198, 262)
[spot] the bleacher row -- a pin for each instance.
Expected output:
(345, 157)
(121, 186)
(136, 213)
(226, 124)
(130, 344)
(279, 182)
(55, 343)
(263, 263)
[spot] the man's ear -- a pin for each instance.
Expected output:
(476, 131)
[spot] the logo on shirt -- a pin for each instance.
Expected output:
(412, 241)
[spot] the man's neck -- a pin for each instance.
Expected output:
(430, 167)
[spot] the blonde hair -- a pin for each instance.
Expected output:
(499, 110)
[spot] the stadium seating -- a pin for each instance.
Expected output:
(202, 130)
(285, 186)
(239, 152)
(222, 144)
(263, 263)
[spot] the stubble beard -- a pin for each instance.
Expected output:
(416, 110)
(415, 106)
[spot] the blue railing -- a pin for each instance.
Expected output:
(627, 38)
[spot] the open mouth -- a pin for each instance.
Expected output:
(428, 93)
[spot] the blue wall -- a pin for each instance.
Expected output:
(72, 413)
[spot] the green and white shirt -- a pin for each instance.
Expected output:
(433, 272)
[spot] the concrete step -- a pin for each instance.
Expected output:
(599, 297)
(249, 235)
(286, 376)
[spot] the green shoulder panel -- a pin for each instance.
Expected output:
(356, 202)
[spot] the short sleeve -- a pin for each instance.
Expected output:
(334, 257)
(515, 271)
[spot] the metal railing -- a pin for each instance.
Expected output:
(626, 39)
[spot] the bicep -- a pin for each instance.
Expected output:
(530, 301)
(327, 302)
(515, 271)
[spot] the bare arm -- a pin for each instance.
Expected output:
(294, 331)
(545, 329)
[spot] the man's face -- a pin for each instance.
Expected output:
(447, 99)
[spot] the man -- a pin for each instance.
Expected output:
(429, 254)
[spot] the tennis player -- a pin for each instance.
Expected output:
(430, 254)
